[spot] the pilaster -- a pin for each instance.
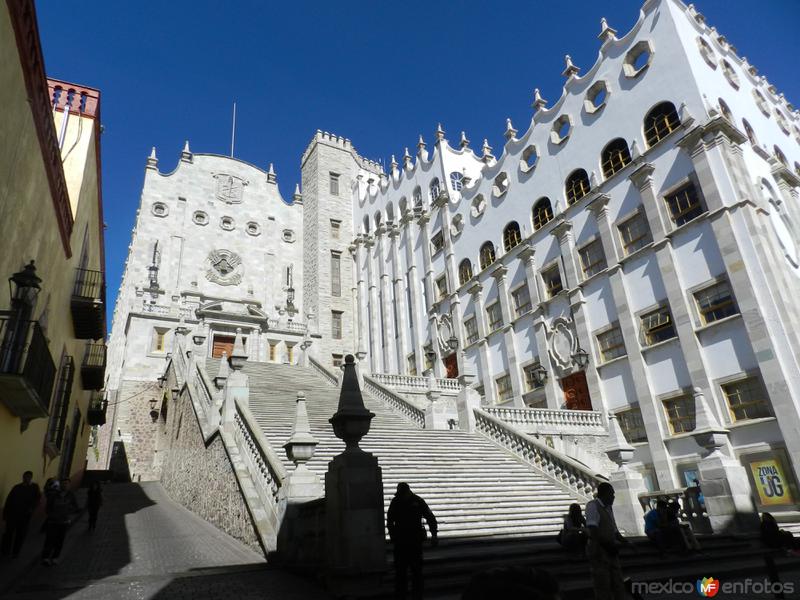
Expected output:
(399, 300)
(500, 273)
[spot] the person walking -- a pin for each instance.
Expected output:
(61, 509)
(93, 503)
(407, 533)
(21, 501)
(603, 546)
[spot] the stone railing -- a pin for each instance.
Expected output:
(326, 373)
(546, 420)
(265, 470)
(156, 309)
(286, 326)
(396, 402)
(415, 383)
(203, 386)
(566, 471)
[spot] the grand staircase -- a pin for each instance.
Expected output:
(474, 488)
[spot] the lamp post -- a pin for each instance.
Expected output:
(540, 375)
(24, 286)
(581, 358)
(153, 411)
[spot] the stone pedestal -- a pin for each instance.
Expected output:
(628, 513)
(236, 388)
(726, 490)
(436, 414)
(467, 401)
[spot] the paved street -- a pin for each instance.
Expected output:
(147, 546)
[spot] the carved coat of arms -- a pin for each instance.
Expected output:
(224, 267)
(229, 188)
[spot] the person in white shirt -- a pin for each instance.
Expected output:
(603, 547)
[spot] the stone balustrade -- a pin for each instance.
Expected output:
(416, 383)
(329, 376)
(556, 465)
(413, 414)
(546, 420)
(286, 326)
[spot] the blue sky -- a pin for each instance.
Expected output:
(379, 73)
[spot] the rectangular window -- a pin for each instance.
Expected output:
(611, 343)
(428, 363)
(272, 352)
(334, 184)
(715, 302)
(441, 287)
(684, 205)
(60, 408)
(471, 329)
(680, 413)
(552, 281)
(495, 316)
(336, 227)
(632, 425)
(337, 361)
(504, 391)
(746, 399)
(159, 337)
(522, 300)
(411, 362)
(336, 274)
(593, 259)
(336, 324)
(437, 242)
(657, 326)
(289, 354)
(530, 379)
(635, 233)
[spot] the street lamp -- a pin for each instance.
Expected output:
(452, 342)
(540, 374)
(430, 354)
(153, 411)
(581, 358)
(27, 285)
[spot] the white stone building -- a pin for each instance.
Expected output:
(635, 250)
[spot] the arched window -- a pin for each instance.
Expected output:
(615, 156)
(456, 181)
(751, 135)
(377, 219)
(417, 198)
(660, 122)
(511, 236)
(542, 213)
(577, 186)
(434, 189)
(366, 223)
(725, 110)
(464, 271)
(780, 156)
(403, 206)
(487, 254)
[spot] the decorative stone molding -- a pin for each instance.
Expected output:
(224, 267)
(561, 343)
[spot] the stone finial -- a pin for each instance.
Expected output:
(487, 151)
(571, 70)
(538, 102)
(439, 133)
(181, 328)
(300, 447)
(393, 166)
(297, 198)
(271, 177)
(593, 181)
(617, 449)
(406, 159)
(708, 432)
(352, 419)
(238, 356)
(606, 32)
(510, 132)
(152, 160)
(186, 154)
(464, 142)
(635, 152)
(223, 372)
(421, 148)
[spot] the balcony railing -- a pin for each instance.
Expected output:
(96, 415)
(88, 304)
(93, 366)
(27, 370)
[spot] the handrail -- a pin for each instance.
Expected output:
(204, 385)
(398, 403)
(588, 421)
(558, 466)
(415, 382)
(329, 376)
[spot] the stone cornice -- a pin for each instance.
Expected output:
(642, 177)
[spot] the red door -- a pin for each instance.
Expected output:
(222, 343)
(451, 365)
(576, 391)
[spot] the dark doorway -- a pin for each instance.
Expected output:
(222, 343)
(451, 366)
(576, 391)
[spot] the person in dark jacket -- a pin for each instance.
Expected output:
(573, 535)
(62, 508)
(93, 503)
(406, 531)
(774, 537)
(21, 501)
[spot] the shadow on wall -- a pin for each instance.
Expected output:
(119, 463)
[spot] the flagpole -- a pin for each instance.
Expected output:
(233, 129)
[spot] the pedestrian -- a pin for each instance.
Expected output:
(573, 535)
(21, 501)
(93, 503)
(603, 546)
(775, 537)
(407, 533)
(62, 508)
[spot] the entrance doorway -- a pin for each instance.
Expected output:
(576, 391)
(223, 343)
(451, 366)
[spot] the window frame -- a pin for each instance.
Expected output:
(336, 229)
(487, 248)
(518, 308)
(506, 390)
(628, 429)
(647, 236)
(333, 183)
(652, 133)
(336, 267)
(615, 330)
(705, 287)
(337, 318)
(677, 401)
(464, 271)
(471, 332)
(494, 324)
(599, 265)
(645, 332)
(549, 269)
(512, 236)
(547, 210)
(693, 211)
(762, 401)
(573, 182)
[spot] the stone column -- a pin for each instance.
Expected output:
(375, 353)
(499, 273)
(357, 250)
(467, 401)
(413, 280)
(654, 209)
(430, 293)
(400, 301)
(386, 306)
(483, 346)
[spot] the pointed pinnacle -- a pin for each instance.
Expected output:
(510, 133)
(486, 148)
(538, 102)
(153, 153)
(421, 144)
(570, 69)
(439, 132)
(464, 141)
(606, 32)
(393, 164)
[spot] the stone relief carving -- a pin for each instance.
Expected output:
(561, 343)
(229, 188)
(224, 267)
(444, 331)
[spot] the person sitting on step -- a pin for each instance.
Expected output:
(573, 535)
(775, 537)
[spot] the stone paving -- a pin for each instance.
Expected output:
(147, 546)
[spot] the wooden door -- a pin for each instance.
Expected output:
(451, 366)
(222, 343)
(576, 391)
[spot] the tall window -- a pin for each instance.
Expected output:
(552, 281)
(593, 259)
(411, 363)
(417, 198)
(289, 354)
(273, 352)
(684, 204)
(60, 407)
(635, 233)
(437, 242)
(495, 316)
(660, 122)
(471, 329)
(336, 274)
(336, 324)
(159, 337)
(504, 391)
(435, 189)
(751, 135)
(487, 255)
(530, 378)
(511, 236)
(680, 413)
(441, 287)
(522, 300)
(715, 302)
(464, 271)
(336, 227)
(615, 156)
(577, 186)
(334, 184)
(611, 343)
(632, 425)
(746, 399)
(657, 326)
(456, 181)
(542, 213)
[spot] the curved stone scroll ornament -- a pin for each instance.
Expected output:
(224, 267)
(444, 331)
(561, 343)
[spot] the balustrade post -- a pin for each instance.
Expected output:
(237, 386)
(628, 483)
